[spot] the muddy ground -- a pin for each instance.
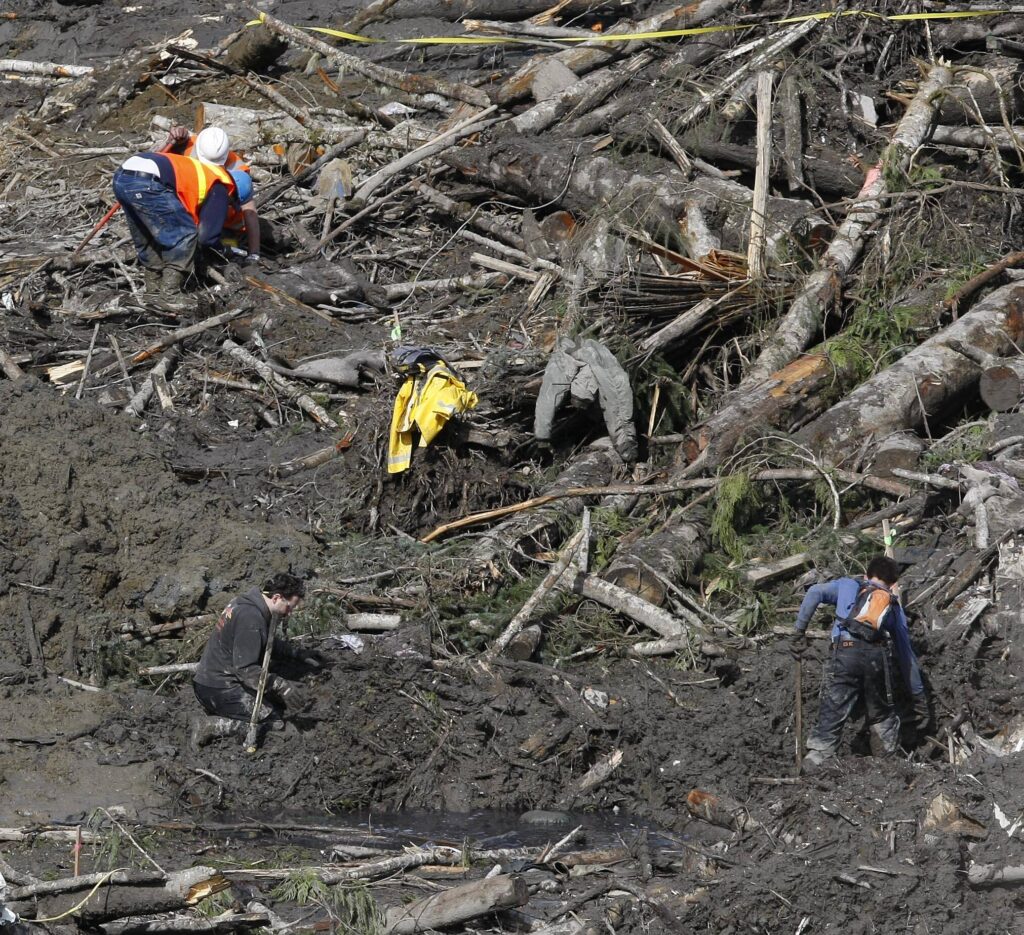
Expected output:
(109, 527)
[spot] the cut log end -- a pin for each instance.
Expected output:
(1002, 386)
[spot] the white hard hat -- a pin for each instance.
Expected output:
(212, 146)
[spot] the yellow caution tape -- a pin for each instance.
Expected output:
(633, 36)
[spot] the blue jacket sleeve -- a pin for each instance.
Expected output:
(212, 214)
(825, 593)
(904, 652)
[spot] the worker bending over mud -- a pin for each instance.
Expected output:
(175, 205)
(869, 629)
(213, 147)
(228, 676)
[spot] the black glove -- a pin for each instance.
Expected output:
(798, 644)
(292, 694)
(922, 713)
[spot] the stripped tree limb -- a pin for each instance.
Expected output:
(21, 67)
(412, 84)
(10, 366)
(821, 288)
(770, 49)
(881, 485)
(520, 620)
(137, 404)
(304, 402)
(444, 141)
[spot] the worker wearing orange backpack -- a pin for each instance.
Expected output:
(173, 206)
(869, 629)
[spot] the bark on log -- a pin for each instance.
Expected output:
(1007, 141)
(1002, 384)
(583, 58)
(991, 875)
(412, 84)
(671, 553)
(992, 93)
(304, 402)
(825, 172)
(225, 922)
(51, 69)
(631, 605)
(902, 450)
(457, 905)
(595, 467)
(653, 200)
(821, 288)
(580, 97)
(182, 888)
(932, 374)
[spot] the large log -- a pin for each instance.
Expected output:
(654, 198)
(644, 566)
(115, 901)
(822, 288)
(456, 905)
(1002, 384)
(987, 93)
(932, 375)
(596, 466)
(823, 170)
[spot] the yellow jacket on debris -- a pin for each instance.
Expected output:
(427, 403)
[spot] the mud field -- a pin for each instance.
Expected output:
(666, 728)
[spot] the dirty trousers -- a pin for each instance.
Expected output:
(162, 230)
(235, 702)
(856, 670)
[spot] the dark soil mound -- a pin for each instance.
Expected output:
(96, 531)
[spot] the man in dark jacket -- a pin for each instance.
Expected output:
(869, 629)
(229, 671)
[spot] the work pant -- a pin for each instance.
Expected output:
(163, 232)
(234, 702)
(856, 670)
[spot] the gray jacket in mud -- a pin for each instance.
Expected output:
(586, 371)
(234, 653)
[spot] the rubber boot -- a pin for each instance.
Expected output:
(172, 282)
(206, 729)
(152, 281)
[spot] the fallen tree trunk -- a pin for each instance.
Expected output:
(824, 171)
(596, 466)
(411, 84)
(925, 381)
(225, 922)
(822, 288)
(653, 200)
(457, 905)
(648, 566)
(990, 93)
(115, 901)
(1009, 141)
(1002, 384)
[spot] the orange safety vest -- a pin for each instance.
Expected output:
(194, 179)
(233, 162)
